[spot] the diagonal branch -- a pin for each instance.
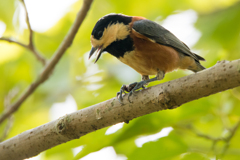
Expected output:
(169, 95)
(66, 43)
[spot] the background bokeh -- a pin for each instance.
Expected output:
(210, 27)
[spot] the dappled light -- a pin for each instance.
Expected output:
(203, 129)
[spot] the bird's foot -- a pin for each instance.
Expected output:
(131, 88)
(121, 92)
(124, 88)
(137, 85)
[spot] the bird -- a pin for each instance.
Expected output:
(144, 45)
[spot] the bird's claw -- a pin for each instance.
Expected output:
(138, 85)
(121, 92)
(124, 88)
(131, 88)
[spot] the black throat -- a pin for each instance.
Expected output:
(119, 48)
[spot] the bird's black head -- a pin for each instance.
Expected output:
(108, 29)
(107, 20)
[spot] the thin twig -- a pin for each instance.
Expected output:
(33, 50)
(29, 26)
(66, 43)
(226, 139)
(30, 45)
(7, 102)
(13, 41)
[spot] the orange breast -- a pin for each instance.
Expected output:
(149, 56)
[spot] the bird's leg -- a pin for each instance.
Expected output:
(137, 85)
(145, 77)
(129, 87)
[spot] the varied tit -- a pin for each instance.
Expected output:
(144, 45)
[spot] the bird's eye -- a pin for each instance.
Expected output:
(100, 33)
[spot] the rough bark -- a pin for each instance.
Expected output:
(224, 75)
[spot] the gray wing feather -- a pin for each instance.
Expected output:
(162, 36)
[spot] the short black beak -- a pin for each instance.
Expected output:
(99, 52)
(91, 52)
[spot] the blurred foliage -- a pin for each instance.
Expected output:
(218, 22)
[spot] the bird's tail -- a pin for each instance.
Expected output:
(198, 67)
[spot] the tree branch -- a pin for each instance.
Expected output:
(13, 41)
(169, 95)
(30, 48)
(52, 63)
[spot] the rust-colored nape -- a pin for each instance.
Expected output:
(134, 19)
